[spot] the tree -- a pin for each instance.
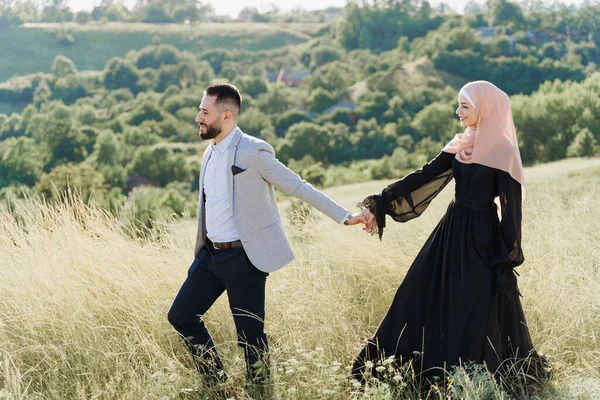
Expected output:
(428, 147)
(334, 77)
(155, 13)
(8, 18)
(275, 100)
(107, 149)
(82, 17)
(372, 105)
(120, 73)
(549, 50)
(291, 117)
(584, 145)
(252, 85)
(153, 56)
(21, 161)
(253, 121)
(216, 57)
(339, 115)
(56, 11)
(305, 138)
(504, 12)
(437, 121)
(320, 99)
(65, 141)
(378, 25)
(373, 141)
(69, 88)
(160, 165)
(472, 7)
(322, 55)
(79, 179)
(502, 46)
(146, 111)
(146, 206)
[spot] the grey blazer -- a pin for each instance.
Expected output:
(255, 212)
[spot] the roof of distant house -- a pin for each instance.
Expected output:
(486, 31)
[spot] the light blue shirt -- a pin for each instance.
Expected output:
(220, 226)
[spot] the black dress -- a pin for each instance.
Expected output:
(459, 301)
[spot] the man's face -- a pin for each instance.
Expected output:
(209, 118)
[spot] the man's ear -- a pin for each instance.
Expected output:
(227, 116)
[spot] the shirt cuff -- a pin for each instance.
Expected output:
(348, 215)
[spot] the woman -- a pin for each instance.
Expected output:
(459, 301)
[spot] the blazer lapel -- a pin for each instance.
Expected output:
(230, 162)
(203, 171)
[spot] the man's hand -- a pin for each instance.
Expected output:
(355, 219)
(370, 221)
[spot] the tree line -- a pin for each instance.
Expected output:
(360, 110)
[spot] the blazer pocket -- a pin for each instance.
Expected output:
(268, 226)
(235, 170)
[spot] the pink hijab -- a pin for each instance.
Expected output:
(493, 142)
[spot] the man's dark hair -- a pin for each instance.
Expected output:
(228, 97)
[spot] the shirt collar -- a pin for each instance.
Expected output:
(224, 144)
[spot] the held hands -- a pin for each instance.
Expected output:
(365, 217)
(355, 219)
(369, 218)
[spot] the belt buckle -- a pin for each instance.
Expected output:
(215, 247)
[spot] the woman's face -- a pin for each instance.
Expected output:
(467, 113)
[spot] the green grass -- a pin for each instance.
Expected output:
(32, 48)
(9, 108)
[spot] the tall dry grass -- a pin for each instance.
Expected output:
(83, 308)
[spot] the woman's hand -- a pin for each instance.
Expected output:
(370, 221)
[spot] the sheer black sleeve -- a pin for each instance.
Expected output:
(410, 196)
(508, 251)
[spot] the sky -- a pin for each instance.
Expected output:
(233, 7)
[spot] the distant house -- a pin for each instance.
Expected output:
(288, 77)
(489, 33)
(536, 37)
(311, 115)
(486, 32)
(272, 76)
(349, 105)
(572, 32)
(532, 36)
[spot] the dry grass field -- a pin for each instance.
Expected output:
(83, 308)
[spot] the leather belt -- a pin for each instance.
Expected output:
(237, 244)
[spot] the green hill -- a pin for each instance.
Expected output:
(32, 48)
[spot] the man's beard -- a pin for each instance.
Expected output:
(211, 132)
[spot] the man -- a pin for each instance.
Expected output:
(240, 237)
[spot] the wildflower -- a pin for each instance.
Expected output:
(388, 360)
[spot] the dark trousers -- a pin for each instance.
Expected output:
(212, 272)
